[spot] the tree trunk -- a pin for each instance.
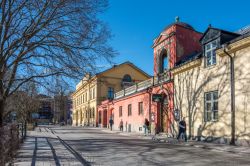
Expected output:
(1, 129)
(189, 125)
(25, 128)
(1, 112)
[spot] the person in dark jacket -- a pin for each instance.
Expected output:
(182, 129)
(121, 125)
(111, 122)
(146, 126)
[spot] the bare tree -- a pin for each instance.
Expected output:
(42, 38)
(23, 103)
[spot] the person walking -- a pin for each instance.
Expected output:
(182, 129)
(121, 125)
(146, 126)
(111, 122)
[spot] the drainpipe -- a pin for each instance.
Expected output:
(149, 111)
(232, 83)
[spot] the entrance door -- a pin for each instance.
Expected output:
(164, 115)
(100, 117)
(105, 118)
(76, 118)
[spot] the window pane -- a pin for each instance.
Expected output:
(215, 95)
(214, 44)
(208, 54)
(214, 57)
(165, 62)
(215, 115)
(208, 96)
(209, 58)
(208, 107)
(208, 46)
(215, 106)
(208, 116)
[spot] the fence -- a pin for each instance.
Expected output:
(9, 142)
(156, 80)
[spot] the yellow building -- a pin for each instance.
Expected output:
(92, 90)
(203, 88)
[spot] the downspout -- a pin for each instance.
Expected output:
(149, 111)
(232, 82)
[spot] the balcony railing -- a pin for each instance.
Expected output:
(164, 77)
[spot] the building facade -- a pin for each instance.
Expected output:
(203, 87)
(202, 77)
(92, 90)
(153, 99)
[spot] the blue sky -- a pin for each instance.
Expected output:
(135, 23)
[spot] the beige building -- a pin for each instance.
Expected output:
(203, 91)
(92, 90)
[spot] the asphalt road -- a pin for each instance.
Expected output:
(93, 146)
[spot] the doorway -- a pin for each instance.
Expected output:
(105, 118)
(164, 115)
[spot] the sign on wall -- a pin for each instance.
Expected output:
(157, 97)
(177, 114)
(152, 117)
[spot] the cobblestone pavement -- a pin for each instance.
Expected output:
(56, 145)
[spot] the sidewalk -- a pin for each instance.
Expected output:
(193, 143)
(41, 147)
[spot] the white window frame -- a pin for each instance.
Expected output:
(210, 52)
(212, 110)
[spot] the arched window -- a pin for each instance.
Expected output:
(163, 63)
(127, 78)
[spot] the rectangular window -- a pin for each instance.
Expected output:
(210, 52)
(120, 111)
(110, 93)
(93, 93)
(211, 106)
(129, 110)
(90, 94)
(93, 113)
(140, 105)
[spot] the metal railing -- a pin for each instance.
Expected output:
(161, 78)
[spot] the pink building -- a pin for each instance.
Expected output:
(153, 98)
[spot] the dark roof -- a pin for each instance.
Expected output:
(195, 55)
(223, 31)
(244, 30)
(237, 39)
(127, 62)
(185, 25)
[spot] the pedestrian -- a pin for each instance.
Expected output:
(146, 126)
(126, 125)
(182, 129)
(111, 122)
(121, 125)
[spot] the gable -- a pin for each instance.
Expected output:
(209, 35)
(126, 68)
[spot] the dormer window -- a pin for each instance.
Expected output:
(210, 52)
